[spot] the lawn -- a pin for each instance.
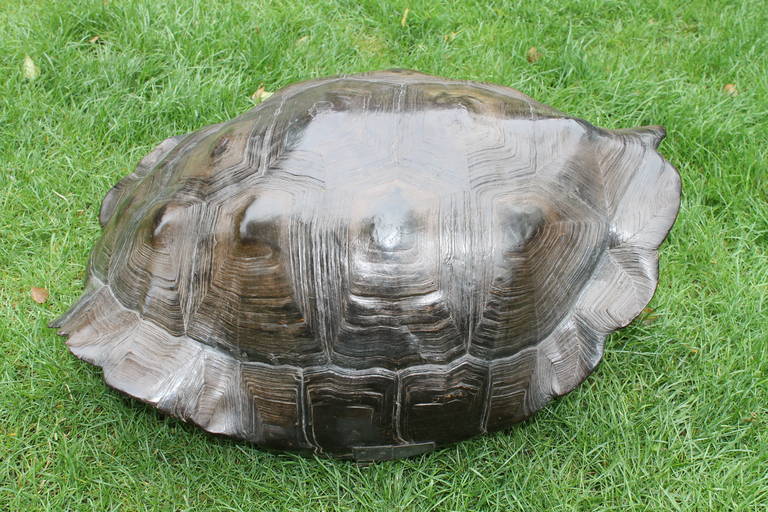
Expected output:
(676, 416)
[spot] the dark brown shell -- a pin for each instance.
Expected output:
(373, 265)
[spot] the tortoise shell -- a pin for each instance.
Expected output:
(371, 266)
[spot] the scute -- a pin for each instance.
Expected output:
(247, 305)
(373, 265)
(452, 396)
(361, 404)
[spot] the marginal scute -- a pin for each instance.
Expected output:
(273, 400)
(371, 266)
(562, 349)
(622, 284)
(362, 404)
(649, 205)
(650, 136)
(509, 387)
(99, 323)
(452, 397)
(149, 362)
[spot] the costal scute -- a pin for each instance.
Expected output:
(373, 265)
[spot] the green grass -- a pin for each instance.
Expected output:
(676, 416)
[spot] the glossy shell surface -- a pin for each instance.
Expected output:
(373, 265)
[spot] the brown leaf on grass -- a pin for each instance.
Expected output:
(749, 419)
(260, 95)
(647, 316)
(95, 39)
(730, 89)
(532, 54)
(650, 319)
(30, 69)
(450, 36)
(39, 295)
(404, 19)
(302, 40)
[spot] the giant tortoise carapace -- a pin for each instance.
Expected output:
(373, 265)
